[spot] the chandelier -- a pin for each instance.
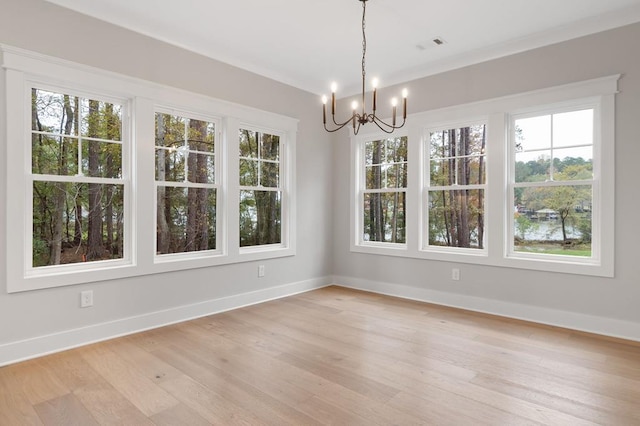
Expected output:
(358, 119)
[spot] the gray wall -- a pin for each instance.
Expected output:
(45, 28)
(322, 168)
(598, 55)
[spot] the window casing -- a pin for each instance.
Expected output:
(207, 160)
(455, 187)
(80, 181)
(261, 191)
(583, 168)
(552, 184)
(187, 174)
(383, 182)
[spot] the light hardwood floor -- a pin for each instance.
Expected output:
(333, 356)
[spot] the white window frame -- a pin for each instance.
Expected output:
(426, 187)
(284, 181)
(218, 174)
(22, 69)
(596, 245)
(496, 113)
(358, 179)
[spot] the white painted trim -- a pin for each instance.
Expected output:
(571, 320)
(47, 344)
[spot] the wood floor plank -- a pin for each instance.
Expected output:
(15, 407)
(108, 406)
(66, 410)
(178, 415)
(334, 356)
(146, 395)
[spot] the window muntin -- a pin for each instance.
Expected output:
(456, 187)
(553, 184)
(77, 189)
(261, 189)
(186, 186)
(383, 195)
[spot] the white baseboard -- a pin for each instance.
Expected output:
(575, 321)
(43, 345)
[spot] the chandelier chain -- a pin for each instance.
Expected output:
(364, 39)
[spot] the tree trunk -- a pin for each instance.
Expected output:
(60, 187)
(94, 243)
(163, 227)
(481, 192)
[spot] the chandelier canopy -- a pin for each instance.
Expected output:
(358, 119)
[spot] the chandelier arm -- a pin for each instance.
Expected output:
(385, 127)
(341, 125)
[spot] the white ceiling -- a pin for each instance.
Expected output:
(308, 44)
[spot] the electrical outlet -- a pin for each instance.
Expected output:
(86, 298)
(455, 274)
(260, 271)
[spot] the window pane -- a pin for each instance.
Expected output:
(573, 163)
(201, 136)
(533, 166)
(456, 218)
(76, 222)
(474, 171)
(554, 220)
(248, 144)
(54, 155)
(186, 219)
(170, 165)
(573, 128)
(396, 150)
(270, 147)
(386, 176)
(533, 133)
(373, 152)
(100, 120)
(384, 217)
(54, 112)
(170, 131)
(439, 146)
(101, 159)
(201, 168)
(260, 217)
(269, 174)
(248, 172)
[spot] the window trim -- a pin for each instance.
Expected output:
(22, 67)
(426, 187)
(358, 180)
(496, 114)
(220, 249)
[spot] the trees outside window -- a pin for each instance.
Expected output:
(261, 188)
(384, 201)
(186, 184)
(77, 179)
(553, 182)
(456, 186)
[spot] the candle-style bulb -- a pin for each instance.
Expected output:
(374, 83)
(334, 87)
(405, 93)
(324, 99)
(354, 105)
(394, 102)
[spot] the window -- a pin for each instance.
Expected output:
(260, 188)
(78, 179)
(525, 181)
(383, 193)
(456, 186)
(552, 183)
(186, 182)
(111, 177)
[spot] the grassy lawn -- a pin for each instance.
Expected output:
(579, 250)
